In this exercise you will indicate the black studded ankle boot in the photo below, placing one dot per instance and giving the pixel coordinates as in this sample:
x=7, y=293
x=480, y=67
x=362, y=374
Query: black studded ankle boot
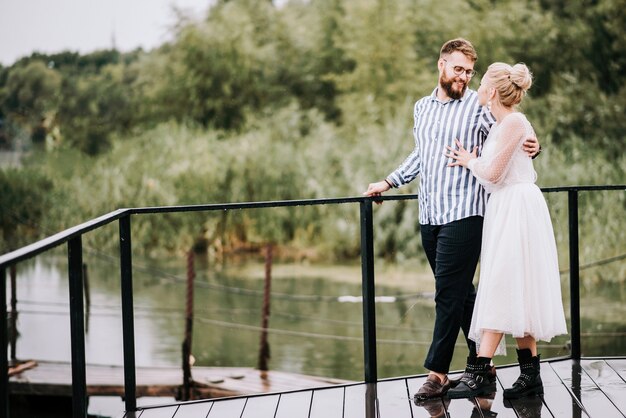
x=478, y=379
x=529, y=381
x=471, y=359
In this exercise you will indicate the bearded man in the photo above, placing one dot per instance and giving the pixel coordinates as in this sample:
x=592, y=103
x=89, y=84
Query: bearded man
x=451, y=203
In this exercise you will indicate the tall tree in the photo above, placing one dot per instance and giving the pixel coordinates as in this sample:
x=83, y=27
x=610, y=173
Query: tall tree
x=31, y=95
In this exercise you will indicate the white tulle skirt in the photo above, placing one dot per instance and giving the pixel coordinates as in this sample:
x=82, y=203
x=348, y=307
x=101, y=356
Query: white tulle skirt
x=519, y=292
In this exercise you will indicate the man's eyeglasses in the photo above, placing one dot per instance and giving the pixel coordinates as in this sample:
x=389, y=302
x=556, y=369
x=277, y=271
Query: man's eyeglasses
x=458, y=70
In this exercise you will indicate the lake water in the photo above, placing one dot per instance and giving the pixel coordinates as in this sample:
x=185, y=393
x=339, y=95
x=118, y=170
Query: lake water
x=315, y=318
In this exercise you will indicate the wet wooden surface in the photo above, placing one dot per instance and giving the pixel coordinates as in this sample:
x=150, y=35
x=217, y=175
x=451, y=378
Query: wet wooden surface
x=55, y=378
x=591, y=388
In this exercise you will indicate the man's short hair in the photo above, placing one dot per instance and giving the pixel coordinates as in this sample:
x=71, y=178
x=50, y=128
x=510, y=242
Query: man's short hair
x=459, y=44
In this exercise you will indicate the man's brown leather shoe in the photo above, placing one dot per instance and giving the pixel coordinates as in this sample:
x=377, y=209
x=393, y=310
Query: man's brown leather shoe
x=432, y=388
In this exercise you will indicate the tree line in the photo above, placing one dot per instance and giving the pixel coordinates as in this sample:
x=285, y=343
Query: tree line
x=249, y=56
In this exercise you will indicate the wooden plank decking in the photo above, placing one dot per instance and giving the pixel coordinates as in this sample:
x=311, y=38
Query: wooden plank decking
x=589, y=388
x=55, y=379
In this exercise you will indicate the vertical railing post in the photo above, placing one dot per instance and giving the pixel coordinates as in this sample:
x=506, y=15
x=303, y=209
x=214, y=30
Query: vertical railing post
x=128, y=327
x=187, y=341
x=13, y=334
x=368, y=290
x=4, y=363
x=572, y=204
x=77, y=327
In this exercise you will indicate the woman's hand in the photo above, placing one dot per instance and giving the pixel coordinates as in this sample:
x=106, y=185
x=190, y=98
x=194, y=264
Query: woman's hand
x=461, y=156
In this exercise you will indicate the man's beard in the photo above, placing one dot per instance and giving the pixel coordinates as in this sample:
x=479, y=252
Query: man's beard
x=446, y=85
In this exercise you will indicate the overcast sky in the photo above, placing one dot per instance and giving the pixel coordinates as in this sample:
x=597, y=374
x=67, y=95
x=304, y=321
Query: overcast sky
x=51, y=26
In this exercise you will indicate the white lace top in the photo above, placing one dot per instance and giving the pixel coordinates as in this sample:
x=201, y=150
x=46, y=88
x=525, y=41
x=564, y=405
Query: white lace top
x=503, y=161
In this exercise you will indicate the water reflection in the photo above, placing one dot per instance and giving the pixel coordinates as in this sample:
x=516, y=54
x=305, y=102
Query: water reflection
x=439, y=407
x=436, y=408
x=371, y=401
x=482, y=408
x=529, y=407
x=319, y=337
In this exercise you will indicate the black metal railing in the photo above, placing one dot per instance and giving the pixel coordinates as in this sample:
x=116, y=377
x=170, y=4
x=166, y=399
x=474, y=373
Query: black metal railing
x=73, y=238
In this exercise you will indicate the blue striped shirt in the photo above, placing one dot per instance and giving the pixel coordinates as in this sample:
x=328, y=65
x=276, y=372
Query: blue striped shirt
x=446, y=194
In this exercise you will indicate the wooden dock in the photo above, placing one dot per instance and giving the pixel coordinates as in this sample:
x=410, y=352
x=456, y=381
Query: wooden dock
x=55, y=379
x=591, y=388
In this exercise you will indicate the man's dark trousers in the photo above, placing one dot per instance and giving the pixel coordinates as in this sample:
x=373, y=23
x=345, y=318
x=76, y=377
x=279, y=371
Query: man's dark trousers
x=453, y=251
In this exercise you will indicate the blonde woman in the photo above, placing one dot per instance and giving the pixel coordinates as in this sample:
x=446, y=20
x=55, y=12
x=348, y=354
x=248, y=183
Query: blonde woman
x=519, y=291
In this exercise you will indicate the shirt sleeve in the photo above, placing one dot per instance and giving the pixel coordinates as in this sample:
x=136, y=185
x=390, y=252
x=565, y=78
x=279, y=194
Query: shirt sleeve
x=411, y=166
x=407, y=171
x=487, y=120
x=493, y=169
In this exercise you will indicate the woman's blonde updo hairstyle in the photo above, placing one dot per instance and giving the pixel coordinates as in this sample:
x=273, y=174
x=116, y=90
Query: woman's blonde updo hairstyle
x=511, y=83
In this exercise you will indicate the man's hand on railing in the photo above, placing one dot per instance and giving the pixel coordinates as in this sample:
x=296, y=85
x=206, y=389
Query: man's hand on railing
x=377, y=189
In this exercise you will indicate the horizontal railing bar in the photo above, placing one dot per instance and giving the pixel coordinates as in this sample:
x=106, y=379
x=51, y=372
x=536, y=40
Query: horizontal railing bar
x=63, y=236
x=59, y=238
x=325, y=201
x=267, y=204
x=582, y=188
